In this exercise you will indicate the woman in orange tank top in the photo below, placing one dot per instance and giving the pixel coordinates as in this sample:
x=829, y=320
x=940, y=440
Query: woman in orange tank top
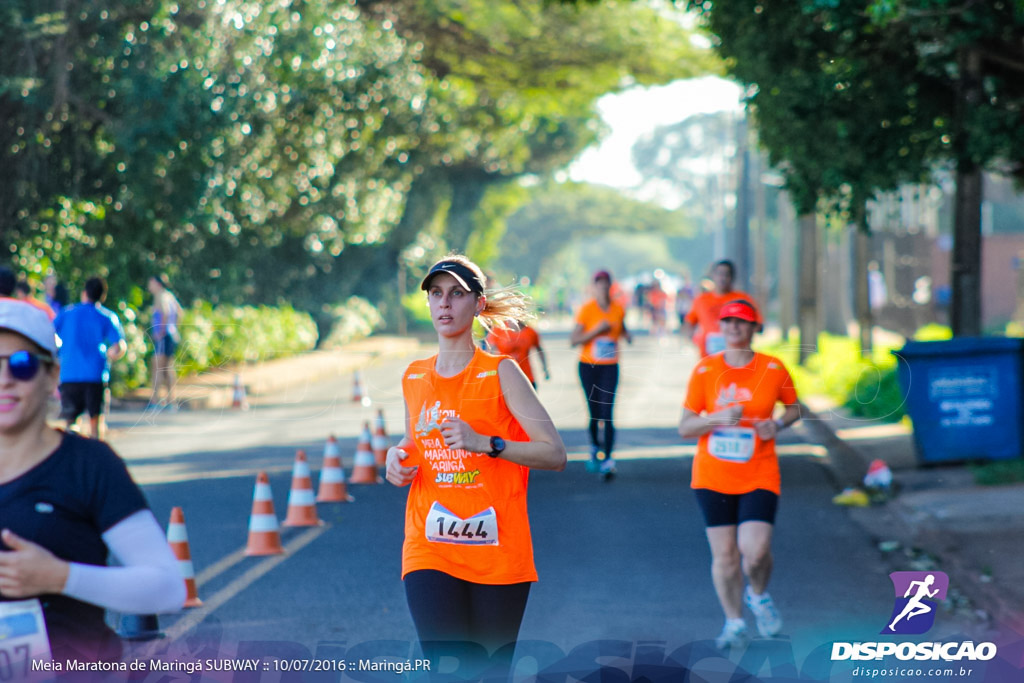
x=474, y=429
x=729, y=406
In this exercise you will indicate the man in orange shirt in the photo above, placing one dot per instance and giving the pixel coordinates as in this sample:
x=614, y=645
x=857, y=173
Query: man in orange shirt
x=517, y=341
x=600, y=323
x=729, y=405
x=702, y=320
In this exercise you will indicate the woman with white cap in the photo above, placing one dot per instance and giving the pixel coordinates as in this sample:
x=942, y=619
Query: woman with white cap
x=729, y=405
x=65, y=503
x=474, y=430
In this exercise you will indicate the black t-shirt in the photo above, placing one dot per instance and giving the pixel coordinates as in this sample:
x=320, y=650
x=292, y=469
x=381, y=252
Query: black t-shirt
x=65, y=504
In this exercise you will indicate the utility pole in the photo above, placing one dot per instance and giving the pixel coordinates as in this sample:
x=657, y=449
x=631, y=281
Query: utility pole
x=741, y=239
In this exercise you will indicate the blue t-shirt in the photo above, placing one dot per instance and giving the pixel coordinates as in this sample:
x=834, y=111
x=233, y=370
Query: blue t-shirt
x=65, y=504
x=86, y=332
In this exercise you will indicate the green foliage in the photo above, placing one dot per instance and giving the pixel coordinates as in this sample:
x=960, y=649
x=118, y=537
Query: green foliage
x=568, y=215
x=416, y=311
x=877, y=396
x=841, y=105
x=998, y=472
x=933, y=332
x=354, y=319
x=292, y=151
x=866, y=387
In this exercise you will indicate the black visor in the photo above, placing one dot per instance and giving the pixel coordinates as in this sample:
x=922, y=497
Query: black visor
x=464, y=275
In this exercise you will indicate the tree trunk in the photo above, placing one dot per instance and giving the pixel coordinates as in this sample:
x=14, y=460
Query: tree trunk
x=787, y=268
x=966, y=267
x=965, y=315
x=468, y=190
x=862, y=302
x=807, y=297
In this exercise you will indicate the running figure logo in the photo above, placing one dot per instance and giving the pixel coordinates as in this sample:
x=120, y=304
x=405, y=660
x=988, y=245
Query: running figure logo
x=430, y=419
x=917, y=595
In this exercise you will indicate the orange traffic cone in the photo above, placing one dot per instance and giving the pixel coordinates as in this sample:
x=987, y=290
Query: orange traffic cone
x=332, y=477
x=380, y=440
x=364, y=471
x=238, y=399
x=264, y=536
x=359, y=394
x=301, y=502
x=177, y=537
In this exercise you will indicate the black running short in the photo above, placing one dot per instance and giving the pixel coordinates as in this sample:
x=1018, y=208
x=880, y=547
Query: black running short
x=727, y=509
x=81, y=397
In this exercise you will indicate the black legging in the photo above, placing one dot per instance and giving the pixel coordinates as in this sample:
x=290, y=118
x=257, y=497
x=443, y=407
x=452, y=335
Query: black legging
x=452, y=616
x=599, y=384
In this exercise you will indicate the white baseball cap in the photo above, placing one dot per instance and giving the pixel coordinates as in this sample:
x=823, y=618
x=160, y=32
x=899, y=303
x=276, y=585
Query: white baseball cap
x=28, y=321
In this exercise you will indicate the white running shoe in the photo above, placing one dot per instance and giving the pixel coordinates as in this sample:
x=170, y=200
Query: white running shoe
x=769, y=623
x=734, y=634
x=607, y=468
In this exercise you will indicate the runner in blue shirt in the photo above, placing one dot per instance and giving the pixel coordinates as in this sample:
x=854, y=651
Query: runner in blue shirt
x=91, y=337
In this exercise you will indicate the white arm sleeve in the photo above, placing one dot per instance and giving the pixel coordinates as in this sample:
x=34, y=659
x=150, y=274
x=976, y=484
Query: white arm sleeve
x=150, y=581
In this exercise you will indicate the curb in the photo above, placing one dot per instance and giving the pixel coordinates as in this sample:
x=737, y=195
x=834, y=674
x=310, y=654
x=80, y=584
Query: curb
x=846, y=465
x=895, y=520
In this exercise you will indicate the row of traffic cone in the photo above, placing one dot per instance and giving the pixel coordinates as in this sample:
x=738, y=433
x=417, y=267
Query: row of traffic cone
x=264, y=534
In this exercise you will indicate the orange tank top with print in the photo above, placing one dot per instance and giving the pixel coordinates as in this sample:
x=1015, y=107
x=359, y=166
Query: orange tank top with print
x=466, y=513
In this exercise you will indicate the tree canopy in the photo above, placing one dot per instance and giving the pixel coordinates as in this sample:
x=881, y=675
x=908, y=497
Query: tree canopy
x=296, y=150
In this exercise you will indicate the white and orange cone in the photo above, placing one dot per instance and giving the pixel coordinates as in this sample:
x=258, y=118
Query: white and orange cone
x=380, y=441
x=177, y=538
x=238, y=398
x=359, y=394
x=332, y=476
x=364, y=471
x=301, y=501
x=264, y=535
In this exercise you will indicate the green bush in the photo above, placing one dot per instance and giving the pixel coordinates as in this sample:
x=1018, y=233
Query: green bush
x=211, y=337
x=933, y=332
x=867, y=387
x=417, y=313
x=354, y=319
x=877, y=396
x=998, y=472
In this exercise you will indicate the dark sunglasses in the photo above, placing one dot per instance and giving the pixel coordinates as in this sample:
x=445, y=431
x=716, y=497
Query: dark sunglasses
x=24, y=365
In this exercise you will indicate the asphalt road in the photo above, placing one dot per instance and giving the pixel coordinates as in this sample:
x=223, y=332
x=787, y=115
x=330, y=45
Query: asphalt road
x=624, y=563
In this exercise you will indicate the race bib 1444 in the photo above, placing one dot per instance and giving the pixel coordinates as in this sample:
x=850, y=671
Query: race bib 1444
x=444, y=526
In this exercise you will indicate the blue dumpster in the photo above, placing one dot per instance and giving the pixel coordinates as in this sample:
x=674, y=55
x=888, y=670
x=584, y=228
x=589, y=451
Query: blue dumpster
x=964, y=397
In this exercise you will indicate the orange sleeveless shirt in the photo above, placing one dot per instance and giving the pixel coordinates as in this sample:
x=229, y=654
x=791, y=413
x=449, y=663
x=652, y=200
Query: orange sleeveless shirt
x=466, y=513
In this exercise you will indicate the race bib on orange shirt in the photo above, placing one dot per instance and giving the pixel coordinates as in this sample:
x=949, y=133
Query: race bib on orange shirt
x=604, y=348
x=714, y=342
x=444, y=526
x=735, y=444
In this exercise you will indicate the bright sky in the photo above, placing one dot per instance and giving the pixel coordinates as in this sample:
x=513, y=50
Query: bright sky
x=633, y=113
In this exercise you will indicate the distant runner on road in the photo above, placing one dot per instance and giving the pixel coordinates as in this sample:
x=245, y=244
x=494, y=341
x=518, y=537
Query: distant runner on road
x=729, y=405
x=474, y=428
x=517, y=341
x=600, y=324
x=702, y=319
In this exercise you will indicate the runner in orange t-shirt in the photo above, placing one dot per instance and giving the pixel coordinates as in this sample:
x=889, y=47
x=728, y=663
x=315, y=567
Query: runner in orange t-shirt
x=600, y=323
x=729, y=405
x=702, y=319
x=474, y=429
x=517, y=341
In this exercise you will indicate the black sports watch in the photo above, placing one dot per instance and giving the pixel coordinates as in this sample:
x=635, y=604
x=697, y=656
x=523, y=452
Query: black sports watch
x=497, y=446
